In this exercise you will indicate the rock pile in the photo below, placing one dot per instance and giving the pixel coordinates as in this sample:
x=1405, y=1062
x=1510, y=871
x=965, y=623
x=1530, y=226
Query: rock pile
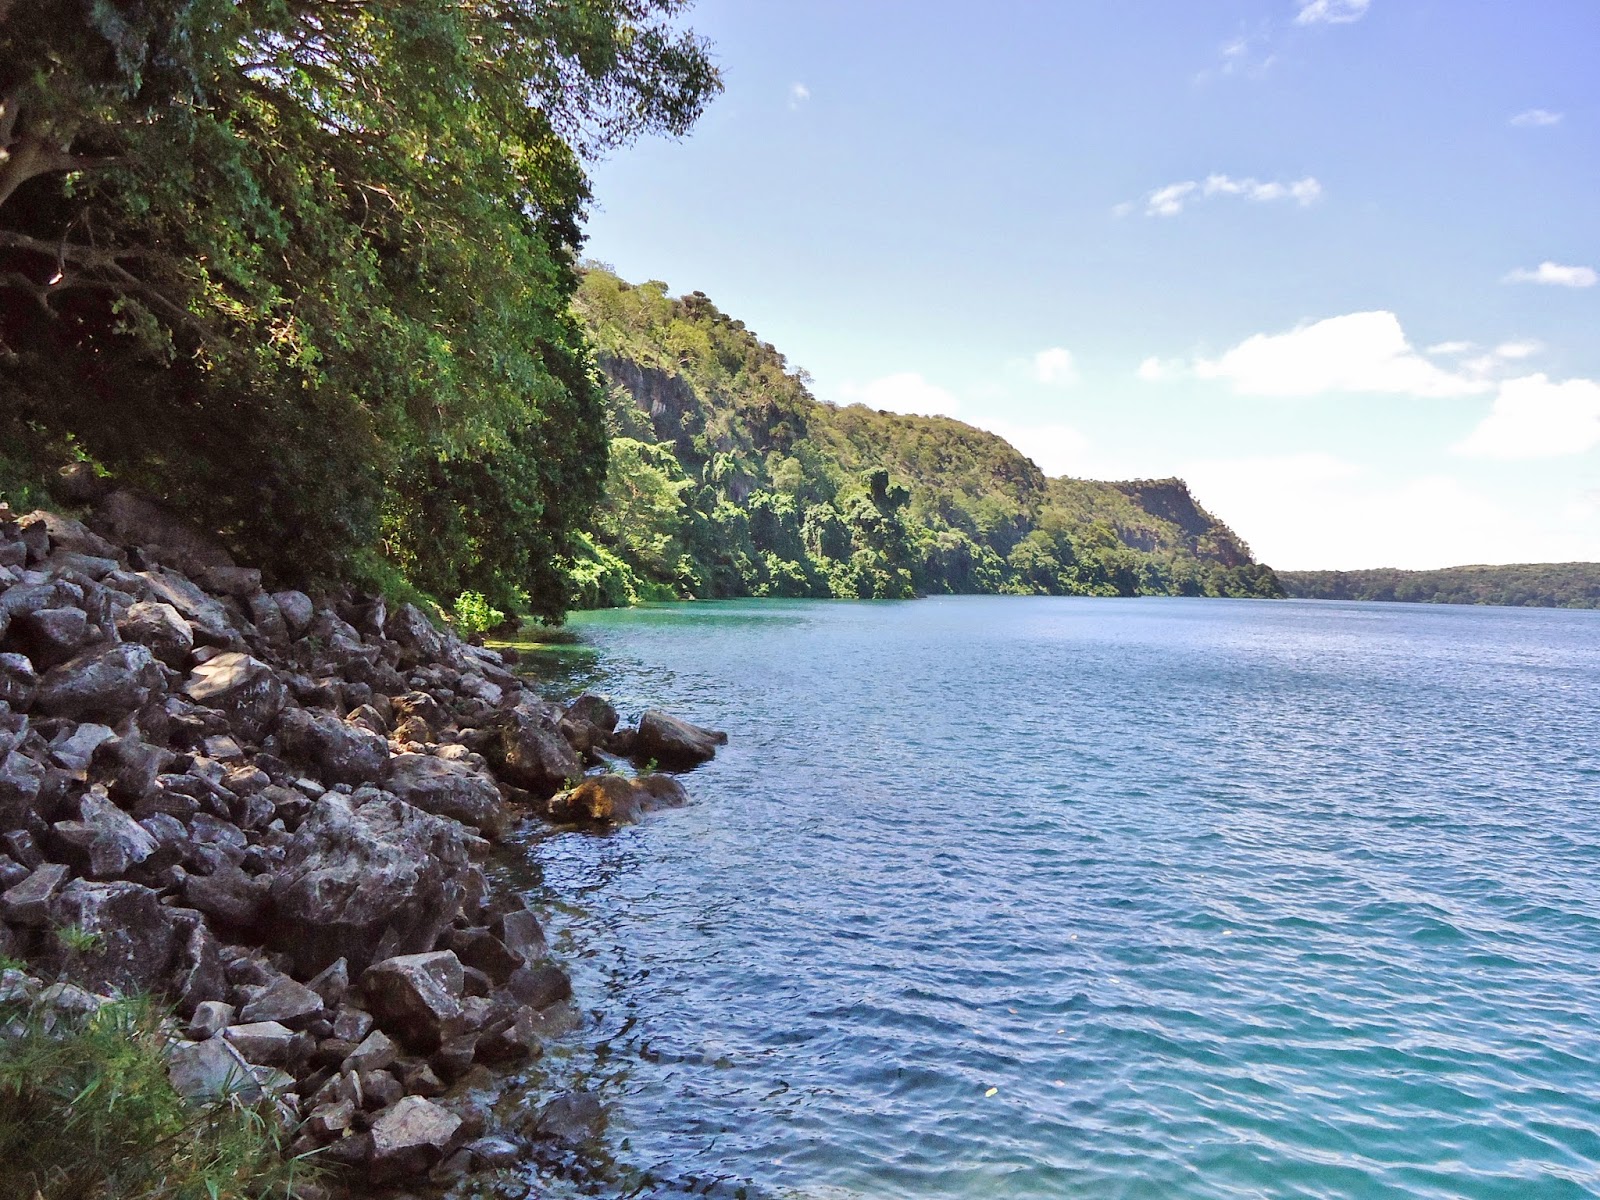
x=273, y=811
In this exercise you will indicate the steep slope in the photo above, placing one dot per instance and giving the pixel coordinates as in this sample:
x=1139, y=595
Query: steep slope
x=728, y=478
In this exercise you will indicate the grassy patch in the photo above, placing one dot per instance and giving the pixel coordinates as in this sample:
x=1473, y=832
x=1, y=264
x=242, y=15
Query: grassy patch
x=87, y=1113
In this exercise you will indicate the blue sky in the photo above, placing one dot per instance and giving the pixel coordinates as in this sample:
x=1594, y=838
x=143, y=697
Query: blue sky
x=1332, y=261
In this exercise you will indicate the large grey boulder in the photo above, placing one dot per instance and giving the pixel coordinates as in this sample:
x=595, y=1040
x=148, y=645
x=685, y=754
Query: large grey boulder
x=673, y=742
x=130, y=938
x=410, y=1137
x=107, y=684
x=245, y=688
x=416, y=997
x=355, y=878
x=449, y=789
x=207, y=615
x=161, y=627
x=337, y=751
x=530, y=753
x=212, y=1070
x=296, y=609
x=50, y=636
x=418, y=638
x=106, y=843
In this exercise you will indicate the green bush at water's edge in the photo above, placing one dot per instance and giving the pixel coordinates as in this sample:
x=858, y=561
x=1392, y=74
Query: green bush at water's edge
x=727, y=478
x=87, y=1113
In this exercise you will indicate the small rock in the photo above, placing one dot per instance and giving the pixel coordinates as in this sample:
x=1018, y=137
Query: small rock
x=107, y=684
x=210, y=1018
x=285, y=1001
x=106, y=843
x=332, y=983
x=160, y=627
x=28, y=903
x=417, y=997
x=265, y=1042
x=352, y=1024
x=572, y=1118
x=297, y=610
x=374, y=1053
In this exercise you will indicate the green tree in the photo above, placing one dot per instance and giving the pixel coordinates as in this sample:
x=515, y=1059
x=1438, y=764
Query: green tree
x=304, y=266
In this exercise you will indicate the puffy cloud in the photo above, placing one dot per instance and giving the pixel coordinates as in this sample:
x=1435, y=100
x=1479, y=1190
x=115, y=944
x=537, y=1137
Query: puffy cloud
x=1331, y=12
x=1171, y=200
x=1158, y=370
x=1537, y=117
x=1535, y=417
x=1056, y=448
x=1555, y=275
x=1316, y=511
x=905, y=392
x=1055, y=367
x=799, y=93
x=1358, y=352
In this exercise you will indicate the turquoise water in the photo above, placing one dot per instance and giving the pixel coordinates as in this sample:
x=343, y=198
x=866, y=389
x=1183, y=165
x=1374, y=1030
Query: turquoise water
x=1220, y=899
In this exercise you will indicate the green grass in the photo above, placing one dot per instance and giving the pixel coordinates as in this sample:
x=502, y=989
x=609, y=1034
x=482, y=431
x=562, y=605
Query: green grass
x=87, y=1113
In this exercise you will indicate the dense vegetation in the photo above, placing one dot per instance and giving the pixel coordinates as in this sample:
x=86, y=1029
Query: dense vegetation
x=87, y=1110
x=728, y=479
x=1541, y=585
x=303, y=267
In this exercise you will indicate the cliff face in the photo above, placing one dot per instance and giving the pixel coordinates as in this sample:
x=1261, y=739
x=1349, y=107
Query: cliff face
x=730, y=478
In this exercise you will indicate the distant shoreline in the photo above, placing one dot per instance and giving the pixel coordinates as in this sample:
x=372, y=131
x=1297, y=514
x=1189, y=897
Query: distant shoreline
x=1513, y=585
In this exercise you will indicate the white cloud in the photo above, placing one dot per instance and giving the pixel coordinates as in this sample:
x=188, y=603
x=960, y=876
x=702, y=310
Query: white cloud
x=1331, y=12
x=905, y=392
x=1057, y=449
x=1171, y=200
x=1537, y=117
x=1534, y=417
x=1309, y=511
x=1055, y=367
x=1358, y=352
x=1157, y=370
x=1516, y=350
x=1450, y=349
x=799, y=93
x=1555, y=275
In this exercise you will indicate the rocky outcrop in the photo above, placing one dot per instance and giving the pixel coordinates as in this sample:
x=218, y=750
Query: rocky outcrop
x=272, y=809
x=673, y=742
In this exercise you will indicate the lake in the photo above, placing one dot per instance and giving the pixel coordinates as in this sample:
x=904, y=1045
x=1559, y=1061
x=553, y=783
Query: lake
x=1036, y=897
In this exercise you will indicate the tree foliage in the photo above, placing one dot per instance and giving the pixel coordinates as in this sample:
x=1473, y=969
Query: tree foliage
x=304, y=266
x=1532, y=585
x=730, y=479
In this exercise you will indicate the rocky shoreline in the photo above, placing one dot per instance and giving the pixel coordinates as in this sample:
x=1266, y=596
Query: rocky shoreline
x=273, y=812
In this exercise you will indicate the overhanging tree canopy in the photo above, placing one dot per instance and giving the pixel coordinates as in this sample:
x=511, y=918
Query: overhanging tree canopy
x=304, y=265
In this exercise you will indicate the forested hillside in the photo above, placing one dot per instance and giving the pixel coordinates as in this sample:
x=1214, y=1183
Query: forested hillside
x=727, y=478
x=1537, y=585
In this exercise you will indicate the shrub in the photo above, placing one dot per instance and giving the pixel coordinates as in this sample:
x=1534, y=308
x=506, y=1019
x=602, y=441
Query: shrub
x=87, y=1111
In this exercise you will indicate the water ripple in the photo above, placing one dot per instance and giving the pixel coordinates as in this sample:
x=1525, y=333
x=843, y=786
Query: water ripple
x=1220, y=899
